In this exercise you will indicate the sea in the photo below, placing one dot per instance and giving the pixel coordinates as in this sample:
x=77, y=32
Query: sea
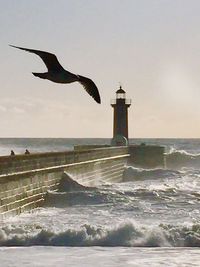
x=150, y=219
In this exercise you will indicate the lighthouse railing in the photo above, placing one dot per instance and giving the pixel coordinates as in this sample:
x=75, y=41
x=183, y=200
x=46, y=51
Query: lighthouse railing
x=114, y=101
x=128, y=101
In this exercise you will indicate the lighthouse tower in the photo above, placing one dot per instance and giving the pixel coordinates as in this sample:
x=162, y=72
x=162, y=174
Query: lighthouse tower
x=120, y=105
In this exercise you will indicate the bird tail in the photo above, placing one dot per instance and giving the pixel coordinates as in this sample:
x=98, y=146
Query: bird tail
x=40, y=75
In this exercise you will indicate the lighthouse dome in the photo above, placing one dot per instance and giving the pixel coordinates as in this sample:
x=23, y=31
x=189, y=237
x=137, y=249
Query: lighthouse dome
x=120, y=93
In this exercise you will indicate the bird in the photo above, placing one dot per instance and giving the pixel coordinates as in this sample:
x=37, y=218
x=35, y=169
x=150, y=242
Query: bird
x=56, y=73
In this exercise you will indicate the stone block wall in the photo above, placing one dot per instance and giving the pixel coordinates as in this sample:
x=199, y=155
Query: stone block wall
x=25, y=179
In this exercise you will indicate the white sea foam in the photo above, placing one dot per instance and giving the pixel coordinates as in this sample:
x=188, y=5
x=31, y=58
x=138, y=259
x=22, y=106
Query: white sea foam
x=129, y=234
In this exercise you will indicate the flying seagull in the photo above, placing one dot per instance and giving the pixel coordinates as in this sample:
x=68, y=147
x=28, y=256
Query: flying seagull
x=56, y=73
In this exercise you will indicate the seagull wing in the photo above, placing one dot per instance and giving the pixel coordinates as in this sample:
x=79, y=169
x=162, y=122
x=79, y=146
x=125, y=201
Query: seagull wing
x=50, y=60
x=90, y=87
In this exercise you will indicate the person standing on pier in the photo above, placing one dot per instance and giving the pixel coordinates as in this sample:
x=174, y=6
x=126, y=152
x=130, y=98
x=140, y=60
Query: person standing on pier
x=27, y=152
x=12, y=153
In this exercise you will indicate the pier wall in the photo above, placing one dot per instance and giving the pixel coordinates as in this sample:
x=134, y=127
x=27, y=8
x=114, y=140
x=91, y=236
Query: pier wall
x=25, y=179
x=147, y=156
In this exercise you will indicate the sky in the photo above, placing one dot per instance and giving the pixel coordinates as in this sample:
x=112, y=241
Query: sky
x=150, y=47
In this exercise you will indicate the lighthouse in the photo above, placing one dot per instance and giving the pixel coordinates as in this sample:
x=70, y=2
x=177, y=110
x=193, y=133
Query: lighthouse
x=120, y=123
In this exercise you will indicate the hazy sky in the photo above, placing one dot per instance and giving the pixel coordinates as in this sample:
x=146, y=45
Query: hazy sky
x=151, y=46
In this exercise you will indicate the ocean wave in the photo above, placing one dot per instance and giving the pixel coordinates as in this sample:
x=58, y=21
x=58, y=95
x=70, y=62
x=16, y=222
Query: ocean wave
x=128, y=235
x=180, y=158
x=133, y=173
x=71, y=193
x=118, y=198
x=96, y=197
x=156, y=185
x=68, y=184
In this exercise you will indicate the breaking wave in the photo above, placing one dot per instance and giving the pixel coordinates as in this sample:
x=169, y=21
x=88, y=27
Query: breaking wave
x=71, y=193
x=163, y=185
x=128, y=235
x=176, y=159
x=133, y=173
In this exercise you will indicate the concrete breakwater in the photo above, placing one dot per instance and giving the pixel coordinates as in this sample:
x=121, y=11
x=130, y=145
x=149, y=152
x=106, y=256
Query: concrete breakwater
x=25, y=179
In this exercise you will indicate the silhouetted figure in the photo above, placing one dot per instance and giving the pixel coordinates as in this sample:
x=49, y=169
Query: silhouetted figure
x=27, y=152
x=56, y=73
x=12, y=153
